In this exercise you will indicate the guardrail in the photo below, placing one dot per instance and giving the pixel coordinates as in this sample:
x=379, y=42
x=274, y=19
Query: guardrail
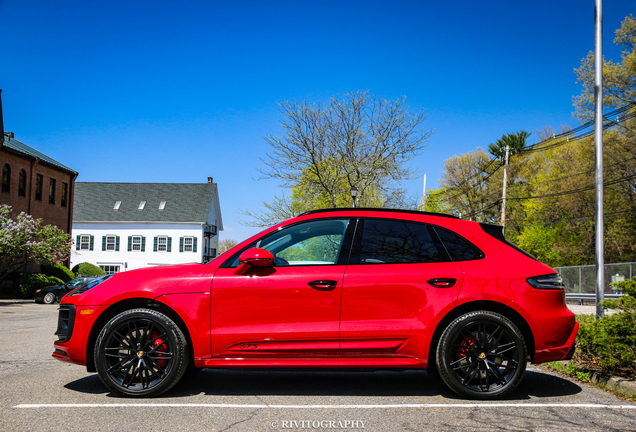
x=589, y=296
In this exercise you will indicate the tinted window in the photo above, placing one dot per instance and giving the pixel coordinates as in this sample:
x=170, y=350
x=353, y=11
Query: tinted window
x=458, y=247
x=388, y=241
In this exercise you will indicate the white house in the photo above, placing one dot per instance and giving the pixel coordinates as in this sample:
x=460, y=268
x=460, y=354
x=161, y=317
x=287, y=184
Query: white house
x=125, y=226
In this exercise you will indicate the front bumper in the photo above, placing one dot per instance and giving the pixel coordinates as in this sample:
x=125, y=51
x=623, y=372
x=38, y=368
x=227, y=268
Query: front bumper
x=73, y=331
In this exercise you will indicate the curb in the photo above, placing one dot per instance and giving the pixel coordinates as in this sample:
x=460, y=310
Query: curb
x=622, y=386
x=15, y=301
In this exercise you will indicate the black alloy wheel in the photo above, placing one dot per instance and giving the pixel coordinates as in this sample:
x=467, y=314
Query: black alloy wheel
x=141, y=353
x=482, y=355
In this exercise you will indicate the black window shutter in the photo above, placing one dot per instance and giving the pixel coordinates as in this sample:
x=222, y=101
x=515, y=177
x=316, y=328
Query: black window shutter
x=154, y=248
x=129, y=243
x=90, y=247
x=103, y=243
x=77, y=243
x=194, y=244
x=117, y=244
x=143, y=244
x=169, y=244
x=180, y=244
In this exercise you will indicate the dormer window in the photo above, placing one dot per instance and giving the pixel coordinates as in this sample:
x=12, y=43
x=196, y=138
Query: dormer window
x=117, y=205
x=141, y=205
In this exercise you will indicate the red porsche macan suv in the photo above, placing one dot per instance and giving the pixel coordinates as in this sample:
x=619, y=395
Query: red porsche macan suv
x=341, y=288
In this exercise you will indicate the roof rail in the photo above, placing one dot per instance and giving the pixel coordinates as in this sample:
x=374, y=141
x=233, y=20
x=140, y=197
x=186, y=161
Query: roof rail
x=379, y=209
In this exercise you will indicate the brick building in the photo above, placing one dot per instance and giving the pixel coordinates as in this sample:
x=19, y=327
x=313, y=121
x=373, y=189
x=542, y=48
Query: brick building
x=36, y=184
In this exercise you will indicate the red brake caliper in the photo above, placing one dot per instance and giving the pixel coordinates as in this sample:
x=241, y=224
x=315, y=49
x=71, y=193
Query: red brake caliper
x=158, y=342
x=468, y=341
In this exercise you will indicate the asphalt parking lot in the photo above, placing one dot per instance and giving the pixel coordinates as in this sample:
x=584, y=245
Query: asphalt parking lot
x=38, y=393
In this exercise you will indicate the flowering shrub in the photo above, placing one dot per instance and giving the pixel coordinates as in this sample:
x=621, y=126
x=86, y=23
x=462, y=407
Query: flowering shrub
x=25, y=239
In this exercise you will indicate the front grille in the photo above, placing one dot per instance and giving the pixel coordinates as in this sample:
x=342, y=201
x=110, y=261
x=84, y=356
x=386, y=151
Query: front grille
x=65, y=320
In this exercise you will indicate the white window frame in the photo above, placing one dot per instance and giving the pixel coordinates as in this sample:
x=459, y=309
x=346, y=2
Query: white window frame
x=111, y=247
x=85, y=242
x=164, y=245
x=135, y=244
x=110, y=268
x=188, y=247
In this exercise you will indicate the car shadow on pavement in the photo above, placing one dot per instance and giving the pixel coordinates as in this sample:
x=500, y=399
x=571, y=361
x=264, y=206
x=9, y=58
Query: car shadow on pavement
x=222, y=382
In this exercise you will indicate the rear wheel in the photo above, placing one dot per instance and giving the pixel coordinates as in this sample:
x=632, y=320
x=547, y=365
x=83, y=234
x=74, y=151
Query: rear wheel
x=482, y=355
x=141, y=353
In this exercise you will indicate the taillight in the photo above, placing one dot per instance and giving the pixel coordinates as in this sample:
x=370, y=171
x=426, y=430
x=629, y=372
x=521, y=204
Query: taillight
x=551, y=281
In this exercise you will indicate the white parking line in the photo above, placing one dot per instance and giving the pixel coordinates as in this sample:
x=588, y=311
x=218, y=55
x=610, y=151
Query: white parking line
x=252, y=406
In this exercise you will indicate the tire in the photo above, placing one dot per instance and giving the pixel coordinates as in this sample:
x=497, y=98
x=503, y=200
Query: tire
x=141, y=353
x=482, y=355
x=49, y=298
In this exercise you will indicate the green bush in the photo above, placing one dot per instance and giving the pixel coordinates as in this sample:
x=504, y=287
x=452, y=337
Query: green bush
x=28, y=283
x=610, y=342
x=58, y=270
x=88, y=269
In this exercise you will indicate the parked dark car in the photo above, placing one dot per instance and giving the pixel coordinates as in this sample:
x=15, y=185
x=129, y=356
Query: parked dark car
x=54, y=294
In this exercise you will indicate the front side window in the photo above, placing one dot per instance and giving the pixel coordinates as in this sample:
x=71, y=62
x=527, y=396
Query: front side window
x=310, y=243
x=385, y=241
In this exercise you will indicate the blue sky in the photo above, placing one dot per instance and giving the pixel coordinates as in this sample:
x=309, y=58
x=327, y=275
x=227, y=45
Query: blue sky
x=165, y=91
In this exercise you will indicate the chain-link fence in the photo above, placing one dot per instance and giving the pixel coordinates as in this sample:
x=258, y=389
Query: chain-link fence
x=582, y=279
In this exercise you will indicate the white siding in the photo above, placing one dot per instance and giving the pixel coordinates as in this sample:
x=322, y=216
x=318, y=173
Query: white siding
x=130, y=260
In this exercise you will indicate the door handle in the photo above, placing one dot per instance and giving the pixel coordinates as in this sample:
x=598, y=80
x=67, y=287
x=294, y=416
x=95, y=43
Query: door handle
x=323, y=285
x=442, y=282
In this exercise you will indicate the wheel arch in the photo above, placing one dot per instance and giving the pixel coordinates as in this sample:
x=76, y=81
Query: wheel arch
x=491, y=306
x=124, y=305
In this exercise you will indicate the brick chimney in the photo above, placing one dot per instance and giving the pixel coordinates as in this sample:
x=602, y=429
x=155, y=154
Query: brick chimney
x=209, y=179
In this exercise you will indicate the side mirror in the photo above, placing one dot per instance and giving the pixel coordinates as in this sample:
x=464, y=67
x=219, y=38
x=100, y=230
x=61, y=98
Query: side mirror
x=254, y=257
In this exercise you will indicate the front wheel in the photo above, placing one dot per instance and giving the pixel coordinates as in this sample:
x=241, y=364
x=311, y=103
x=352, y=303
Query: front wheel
x=482, y=355
x=141, y=353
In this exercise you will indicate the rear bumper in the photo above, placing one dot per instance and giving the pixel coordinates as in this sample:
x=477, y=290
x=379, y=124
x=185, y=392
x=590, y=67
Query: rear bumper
x=563, y=352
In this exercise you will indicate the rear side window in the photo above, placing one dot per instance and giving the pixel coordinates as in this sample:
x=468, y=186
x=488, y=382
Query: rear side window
x=385, y=241
x=457, y=246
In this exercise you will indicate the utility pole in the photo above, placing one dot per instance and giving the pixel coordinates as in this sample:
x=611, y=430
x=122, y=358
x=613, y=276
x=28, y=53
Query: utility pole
x=598, y=141
x=505, y=187
x=423, y=202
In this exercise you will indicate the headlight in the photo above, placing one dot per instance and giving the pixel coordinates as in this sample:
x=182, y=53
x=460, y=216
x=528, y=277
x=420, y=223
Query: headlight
x=551, y=281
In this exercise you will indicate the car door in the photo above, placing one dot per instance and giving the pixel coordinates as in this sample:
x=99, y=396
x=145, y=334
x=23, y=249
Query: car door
x=398, y=284
x=291, y=309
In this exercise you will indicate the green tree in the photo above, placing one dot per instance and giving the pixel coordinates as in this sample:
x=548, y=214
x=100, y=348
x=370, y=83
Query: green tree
x=514, y=141
x=357, y=140
x=25, y=239
x=226, y=244
x=619, y=79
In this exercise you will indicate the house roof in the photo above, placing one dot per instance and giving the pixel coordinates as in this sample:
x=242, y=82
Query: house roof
x=184, y=202
x=18, y=147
